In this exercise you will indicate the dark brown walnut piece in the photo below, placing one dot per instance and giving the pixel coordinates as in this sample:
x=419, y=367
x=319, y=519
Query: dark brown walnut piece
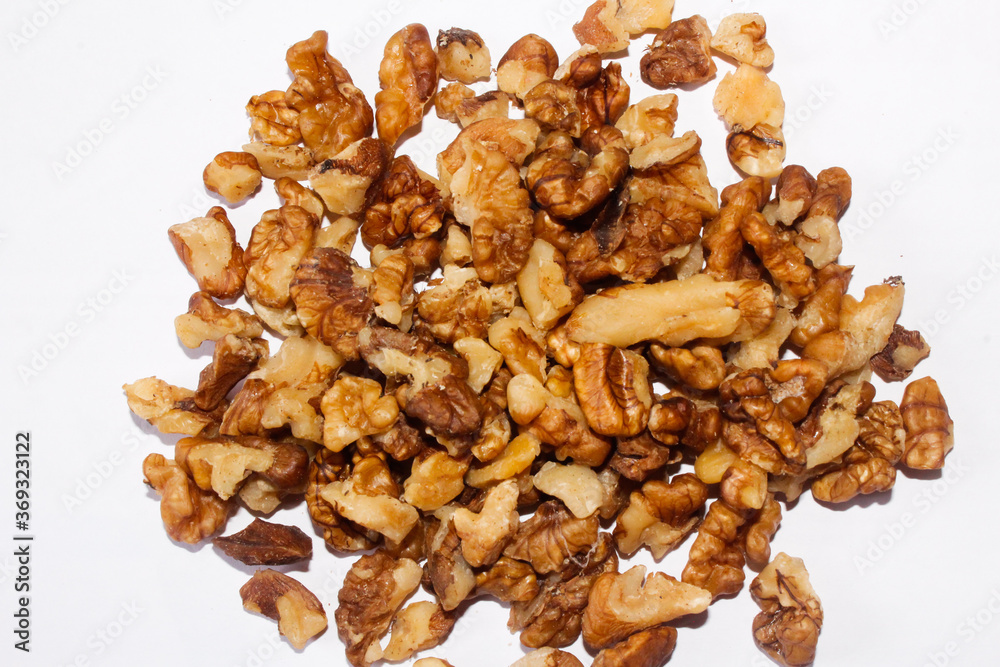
x=722, y=239
x=408, y=76
x=232, y=359
x=647, y=648
x=679, y=54
x=638, y=457
x=784, y=261
x=209, y=250
x=189, y=513
x=901, y=354
x=332, y=112
x=793, y=195
x=820, y=313
x=333, y=299
x=554, y=617
x=446, y=571
x=745, y=397
x=930, y=432
x=263, y=543
x=373, y=592
x=605, y=100
x=553, y=538
x=299, y=613
x=788, y=626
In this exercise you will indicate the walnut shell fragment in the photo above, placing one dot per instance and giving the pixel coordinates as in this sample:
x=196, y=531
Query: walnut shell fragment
x=299, y=613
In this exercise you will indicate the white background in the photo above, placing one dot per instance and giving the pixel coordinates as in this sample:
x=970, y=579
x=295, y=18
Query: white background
x=901, y=93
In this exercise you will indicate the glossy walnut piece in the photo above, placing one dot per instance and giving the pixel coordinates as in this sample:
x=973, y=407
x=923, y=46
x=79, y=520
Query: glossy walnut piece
x=209, y=250
x=462, y=56
x=189, y=513
x=333, y=113
x=679, y=54
x=930, y=432
x=528, y=62
x=408, y=76
x=263, y=543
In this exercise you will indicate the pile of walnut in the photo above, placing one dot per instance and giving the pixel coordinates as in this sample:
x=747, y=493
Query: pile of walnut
x=497, y=359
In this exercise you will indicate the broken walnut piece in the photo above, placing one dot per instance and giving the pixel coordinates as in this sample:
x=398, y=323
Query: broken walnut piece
x=660, y=515
x=408, y=77
x=757, y=533
x=900, y=355
x=220, y=464
x=553, y=538
x=354, y=407
x=716, y=560
x=869, y=465
x=601, y=28
x=276, y=162
x=701, y=367
x=449, y=575
x=647, y=648
x=548, y=657
x=345, y=180
x=333, y=298
x=680, y=54
x=417, y=627
x=209, y=250
x=333, y=112
x=272, y=120
x=578, y=487
x=484, y=534
x=759, y=151
x=299, y=613
x=170, y=409
x=232, y=360
x=278, y=243
x=622, y=604
x=743, y=37
x=788, y=626
x=189, y=513
x=207, y=320
x=462, y=56
x=747, y=97
x=373, y=592
x=613, y=389
x=233, y=176
x=528, y=62
x=263, y=543
x=930, y=432
x=553, y=617
x=508, y=580
x=436, y=478
x=407, y=203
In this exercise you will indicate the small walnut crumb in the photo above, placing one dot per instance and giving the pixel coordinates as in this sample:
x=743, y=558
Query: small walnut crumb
x=299, y=613
x=234, y=176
